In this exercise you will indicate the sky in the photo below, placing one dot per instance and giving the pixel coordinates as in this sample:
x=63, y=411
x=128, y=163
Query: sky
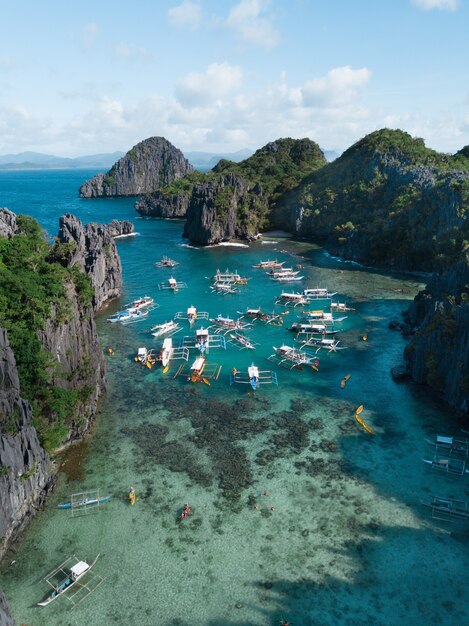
x=97, y=76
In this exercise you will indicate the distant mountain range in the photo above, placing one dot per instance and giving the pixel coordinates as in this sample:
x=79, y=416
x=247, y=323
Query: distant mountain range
x=37, y=160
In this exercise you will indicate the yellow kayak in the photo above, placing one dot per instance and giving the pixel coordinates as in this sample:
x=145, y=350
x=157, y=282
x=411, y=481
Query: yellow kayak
x=359, y=410
x=368, y=429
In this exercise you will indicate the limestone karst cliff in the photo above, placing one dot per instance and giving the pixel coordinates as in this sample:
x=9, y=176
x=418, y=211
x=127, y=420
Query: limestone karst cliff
x=148, y=166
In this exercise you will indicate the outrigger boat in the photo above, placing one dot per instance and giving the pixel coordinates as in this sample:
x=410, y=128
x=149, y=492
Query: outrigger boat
x=229, y=278
x=286, y=274
x=224, y=288
x=128, y=316
x=191, y=315
x=172, y=284
x=254, y=377
x=71, y=577
x=269, y=265
x=340, y=307
x=446, y=463
x=203, y=341
x=168, y=353
x=290, y=358
x=321, y=342
x=293, y=299
x=140, y=303
x=200, y=371
x=83, y=503
x=257, y=314
x=242, y=342
x=446, y=508
x=318, y=293
x=322, y=316
x=166, y=328
x=225, y=324
x=455, y=445
x=147, y=357
x=166, y=262
x=309, y=328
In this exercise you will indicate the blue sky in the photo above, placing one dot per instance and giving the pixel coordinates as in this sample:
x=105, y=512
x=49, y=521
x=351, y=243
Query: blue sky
x=97, y=76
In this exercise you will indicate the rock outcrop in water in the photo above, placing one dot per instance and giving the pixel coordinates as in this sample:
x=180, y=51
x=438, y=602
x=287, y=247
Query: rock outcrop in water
x=157, y=204
x=25, y=468
x=438, y=353
x=94, y=251
x=148, y=166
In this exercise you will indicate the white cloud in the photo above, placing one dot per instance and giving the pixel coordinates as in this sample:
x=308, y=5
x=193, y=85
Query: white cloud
x=208, y=88
x=338, y=86
x=130, y=52
x=185, y=15
x=444, y=5
x=249, y=23
x=88, y=35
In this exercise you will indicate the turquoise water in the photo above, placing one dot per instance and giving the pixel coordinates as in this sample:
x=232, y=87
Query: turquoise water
x=340, y=536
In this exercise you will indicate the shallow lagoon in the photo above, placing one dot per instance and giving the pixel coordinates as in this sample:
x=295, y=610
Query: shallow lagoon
x=348, y=541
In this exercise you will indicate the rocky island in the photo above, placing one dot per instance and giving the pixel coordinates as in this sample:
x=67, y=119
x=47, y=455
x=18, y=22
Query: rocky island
x=148, y=166
x=52, y=368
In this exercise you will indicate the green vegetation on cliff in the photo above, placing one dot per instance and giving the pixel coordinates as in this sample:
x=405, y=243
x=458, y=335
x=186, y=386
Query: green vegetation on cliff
x=33, y=283
x=388, y=200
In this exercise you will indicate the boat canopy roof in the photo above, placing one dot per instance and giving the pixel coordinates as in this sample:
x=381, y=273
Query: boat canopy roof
x=167, y=343
x=201, y=332
x=443, y=439
x=80, y=568
x=142, y=351
x=198, y=363
x=191, y=310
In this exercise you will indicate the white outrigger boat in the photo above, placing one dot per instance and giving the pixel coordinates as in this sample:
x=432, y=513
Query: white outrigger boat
x=172, y=284
x=320, y=343
x=340, y=307
x=318, y=293
x=229, y=278
x=289, y=357
x=269, y=265
x=128, y=316
x=242, y=342
x=169, y=353
x=446, y=463
x=455, y=445
x=226, y=324
x=140, y=303
x=224, y=288
x=258, y=314
x=254, y=377
x=191, y=315
x=200, y=371
x=203, y=341
x=447, y=508
x=69, y=577
x=285, y=275
x=322, y=316
x=166, y=262
x=311, y=328
x=166, y=328
x=147, y=357
x=292, y=299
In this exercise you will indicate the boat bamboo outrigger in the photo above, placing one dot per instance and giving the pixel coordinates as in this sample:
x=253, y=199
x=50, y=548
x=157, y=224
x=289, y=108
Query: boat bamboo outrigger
x=192, y=315
x=166, y=328
x=320, y=342
x=229, y=278
x=242, y=342
x=128, y=316
x=269, y=265
x=318, y=293
x=258, y=314
x=200, y=371
x=290, y=358
x=254, y=377
x=227, y=324
x=66, y=577
x=172, y=284
x=311, y=328
x=457, y=446
x=447, y=509
x=340, y=307
x=166, y=262
x=140, y=303
x=203, y=341
x=291, y=299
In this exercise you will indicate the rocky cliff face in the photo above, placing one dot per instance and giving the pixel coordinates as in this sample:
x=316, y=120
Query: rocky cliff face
x=157, y=204
x=390, y=201
x=215, y=208
x=8, y=226
x=95, y=252
x=438, y=353
x=5, y=616
x=25, y=468
x=149, y=165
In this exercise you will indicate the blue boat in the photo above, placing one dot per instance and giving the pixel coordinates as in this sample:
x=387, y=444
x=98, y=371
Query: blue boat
x=85, y=502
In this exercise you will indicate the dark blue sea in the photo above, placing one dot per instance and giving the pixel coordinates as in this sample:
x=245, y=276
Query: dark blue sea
x=298, y=513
